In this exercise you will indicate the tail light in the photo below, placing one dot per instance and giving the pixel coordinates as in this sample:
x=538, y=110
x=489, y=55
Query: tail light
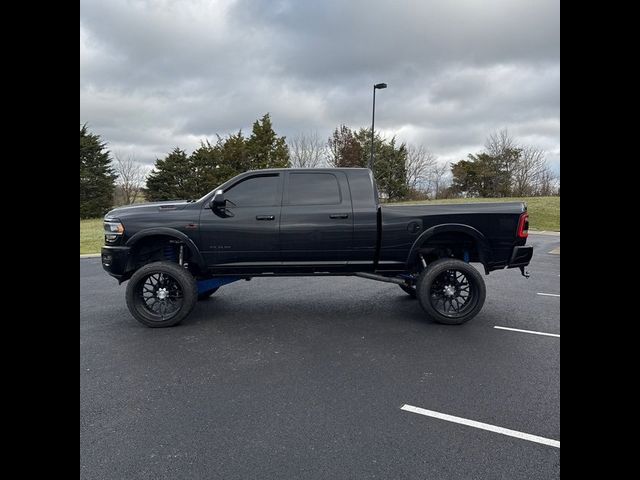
x=523, y=225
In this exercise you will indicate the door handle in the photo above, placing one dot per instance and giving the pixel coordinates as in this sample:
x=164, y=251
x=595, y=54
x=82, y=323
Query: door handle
x=265, y=217
x=339, y=215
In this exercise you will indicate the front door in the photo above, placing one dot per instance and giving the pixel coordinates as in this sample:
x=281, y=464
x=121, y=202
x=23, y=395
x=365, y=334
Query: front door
x=247, y=230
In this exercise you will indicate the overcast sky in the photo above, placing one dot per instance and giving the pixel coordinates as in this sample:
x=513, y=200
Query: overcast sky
x=159, y=74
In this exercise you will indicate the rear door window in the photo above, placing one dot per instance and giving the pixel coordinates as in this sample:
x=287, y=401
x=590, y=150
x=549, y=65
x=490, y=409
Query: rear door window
x=314, y=189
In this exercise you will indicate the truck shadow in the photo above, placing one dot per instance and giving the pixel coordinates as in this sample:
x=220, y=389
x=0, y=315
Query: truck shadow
x=370, y=310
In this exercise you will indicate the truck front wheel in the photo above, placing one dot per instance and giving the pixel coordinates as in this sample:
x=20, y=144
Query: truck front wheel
x=161, y=294
x=451, y=291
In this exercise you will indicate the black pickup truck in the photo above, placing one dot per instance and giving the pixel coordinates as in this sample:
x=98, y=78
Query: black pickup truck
x=309, y=222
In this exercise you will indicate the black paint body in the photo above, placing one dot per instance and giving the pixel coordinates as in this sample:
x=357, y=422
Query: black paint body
x=290, y=232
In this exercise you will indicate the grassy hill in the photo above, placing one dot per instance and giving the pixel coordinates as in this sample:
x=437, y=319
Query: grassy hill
x=544, y=212
x=91, y=235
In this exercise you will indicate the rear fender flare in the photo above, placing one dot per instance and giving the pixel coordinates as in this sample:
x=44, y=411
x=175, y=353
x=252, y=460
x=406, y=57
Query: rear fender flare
x=484, y=250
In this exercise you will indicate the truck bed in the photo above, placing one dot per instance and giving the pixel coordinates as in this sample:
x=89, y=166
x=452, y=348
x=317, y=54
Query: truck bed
x=403, y=224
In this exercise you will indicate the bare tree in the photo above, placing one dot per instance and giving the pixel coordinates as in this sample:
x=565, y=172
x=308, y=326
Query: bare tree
x=526, y=167
x=528, y=171
x=504, y=148
x=546, y=182
x=499, y=142
x=439, y=178
x=131, y=177
x=419, y=166
x=306, y=150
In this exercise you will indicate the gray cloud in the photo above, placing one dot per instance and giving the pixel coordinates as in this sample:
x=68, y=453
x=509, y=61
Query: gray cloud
x=159, y=74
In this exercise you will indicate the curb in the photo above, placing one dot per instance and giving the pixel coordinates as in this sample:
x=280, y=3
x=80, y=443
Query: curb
x=544, y=232
x=89, y=255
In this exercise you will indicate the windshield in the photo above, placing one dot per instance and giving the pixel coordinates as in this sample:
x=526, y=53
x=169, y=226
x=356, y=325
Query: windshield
x=226, y=182
x=207, y=194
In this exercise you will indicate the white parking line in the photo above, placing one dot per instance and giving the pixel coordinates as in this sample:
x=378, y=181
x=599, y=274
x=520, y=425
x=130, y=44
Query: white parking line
x=528, y=331
x=482, y=426
x=549, y=294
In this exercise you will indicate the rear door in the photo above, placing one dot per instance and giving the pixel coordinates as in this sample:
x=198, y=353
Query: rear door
x=316, y=226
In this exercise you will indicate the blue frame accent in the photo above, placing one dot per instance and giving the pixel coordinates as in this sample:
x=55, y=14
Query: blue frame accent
x=170, y=253
x=211, y=283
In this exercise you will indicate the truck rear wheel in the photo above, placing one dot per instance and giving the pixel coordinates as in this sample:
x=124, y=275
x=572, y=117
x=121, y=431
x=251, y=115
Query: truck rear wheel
x=451, y=291
x=161, y=294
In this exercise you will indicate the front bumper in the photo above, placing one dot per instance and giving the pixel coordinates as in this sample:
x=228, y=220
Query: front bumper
x=520, y=257
x=115, y=261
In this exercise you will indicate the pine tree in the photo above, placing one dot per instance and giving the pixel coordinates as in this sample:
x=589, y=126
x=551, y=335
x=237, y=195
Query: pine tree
x=389, y=163
x=97, y=178
x=182, y=176
x=391, y=170
x=171, y=178
x=482, y=175
x=207, y=170
x=234, y=153
x=264, y=148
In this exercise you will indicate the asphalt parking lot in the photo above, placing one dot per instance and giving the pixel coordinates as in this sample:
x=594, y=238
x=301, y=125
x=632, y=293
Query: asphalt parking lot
x=307, y=377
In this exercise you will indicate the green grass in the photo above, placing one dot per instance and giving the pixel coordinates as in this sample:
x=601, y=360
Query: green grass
x=544, y=212
x=92, y=232
x=91, y=235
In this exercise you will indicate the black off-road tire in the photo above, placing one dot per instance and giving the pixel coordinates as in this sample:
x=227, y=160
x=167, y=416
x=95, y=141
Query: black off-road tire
x=207, y=294
x=181, y=296
x=444, y=275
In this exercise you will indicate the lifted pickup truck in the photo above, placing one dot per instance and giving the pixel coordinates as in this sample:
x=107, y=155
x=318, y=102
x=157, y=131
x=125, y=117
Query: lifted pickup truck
x=309, y=222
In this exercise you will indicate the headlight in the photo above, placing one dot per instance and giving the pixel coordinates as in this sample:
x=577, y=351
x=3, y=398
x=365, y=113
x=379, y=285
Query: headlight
x=113, y=229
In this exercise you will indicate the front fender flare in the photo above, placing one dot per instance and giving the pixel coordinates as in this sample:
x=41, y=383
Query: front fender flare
x=484, y=250
x=169, y=232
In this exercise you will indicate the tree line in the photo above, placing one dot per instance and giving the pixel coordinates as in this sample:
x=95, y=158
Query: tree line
x=179, y=175
x=504, y=169
x=402, y=172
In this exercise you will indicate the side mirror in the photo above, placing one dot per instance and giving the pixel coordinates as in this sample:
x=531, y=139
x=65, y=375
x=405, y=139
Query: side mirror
x=218, y=200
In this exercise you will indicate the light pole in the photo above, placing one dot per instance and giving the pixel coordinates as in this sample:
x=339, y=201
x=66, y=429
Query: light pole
x=373, y=119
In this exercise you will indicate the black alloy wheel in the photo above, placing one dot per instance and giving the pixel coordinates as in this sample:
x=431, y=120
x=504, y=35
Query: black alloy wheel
x=451, y=291
x=161, y=294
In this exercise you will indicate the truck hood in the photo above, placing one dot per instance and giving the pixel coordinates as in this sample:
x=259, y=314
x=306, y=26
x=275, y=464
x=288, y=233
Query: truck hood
x=125, y=211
